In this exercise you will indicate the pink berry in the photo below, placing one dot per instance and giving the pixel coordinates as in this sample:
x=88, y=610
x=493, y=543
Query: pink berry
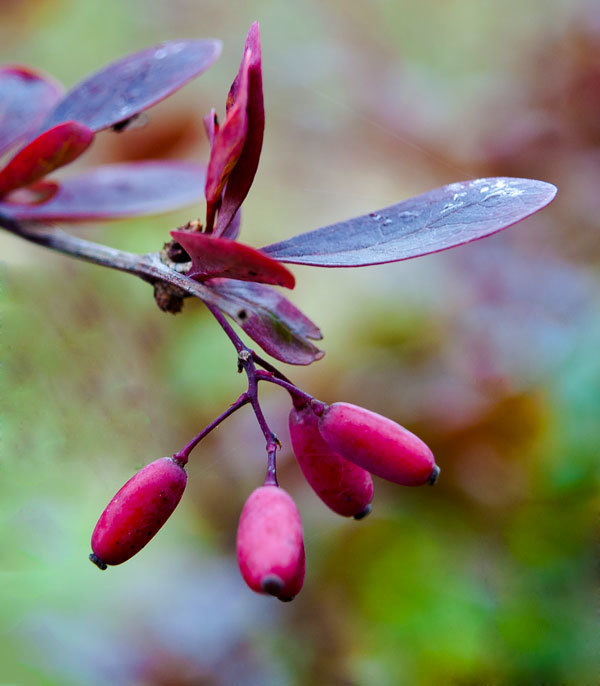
x=270, y=548
x=377, y=444
x=342, y=485
x=137, y=512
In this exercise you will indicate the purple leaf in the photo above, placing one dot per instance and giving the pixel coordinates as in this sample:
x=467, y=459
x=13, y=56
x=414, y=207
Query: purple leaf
x=233, y=228
x=241, y=177
x=25, y=99
x=117, y=190
x=49, y=151
x=270, y=320
x=134, y=83
x=434, y=221
x=212, y=257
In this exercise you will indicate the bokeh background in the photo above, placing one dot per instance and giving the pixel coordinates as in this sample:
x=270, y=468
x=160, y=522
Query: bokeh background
x=489, y=352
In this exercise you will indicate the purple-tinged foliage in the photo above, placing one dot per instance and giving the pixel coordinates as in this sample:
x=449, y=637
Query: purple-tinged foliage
x=49, y=151
x=112, y=95
x=26, y=96
x=270, y=319
x=437, y=220
x=134, y=83
x=116, y=190
x=215, y=257
x=337, y=446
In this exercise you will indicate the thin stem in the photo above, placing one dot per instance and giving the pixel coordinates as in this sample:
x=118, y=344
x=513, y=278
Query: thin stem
x=269, y=367
x=227, y=328
x=271, y=477
x=299, y=397
x=183, y=454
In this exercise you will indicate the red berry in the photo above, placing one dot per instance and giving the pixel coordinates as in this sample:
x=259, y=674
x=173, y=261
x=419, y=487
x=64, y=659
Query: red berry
x=270, y=548
x=377, y=444
x=137, y=512
x=342, y=485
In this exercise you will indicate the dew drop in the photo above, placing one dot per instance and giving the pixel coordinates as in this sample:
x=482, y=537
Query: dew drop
x=161, y=53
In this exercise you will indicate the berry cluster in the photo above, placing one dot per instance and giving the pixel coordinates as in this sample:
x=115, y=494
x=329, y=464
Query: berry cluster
x=338, y=448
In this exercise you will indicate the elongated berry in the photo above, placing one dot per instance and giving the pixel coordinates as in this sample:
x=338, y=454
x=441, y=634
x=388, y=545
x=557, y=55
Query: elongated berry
x=137, y=512
x=377, y=444
x=270, y=547
x=342, y=485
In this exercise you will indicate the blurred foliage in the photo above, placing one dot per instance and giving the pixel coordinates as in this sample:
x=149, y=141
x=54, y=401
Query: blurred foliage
x=489, y=352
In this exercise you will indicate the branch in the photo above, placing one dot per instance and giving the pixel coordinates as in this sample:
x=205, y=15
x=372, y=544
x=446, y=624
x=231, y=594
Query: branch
x=147, y=267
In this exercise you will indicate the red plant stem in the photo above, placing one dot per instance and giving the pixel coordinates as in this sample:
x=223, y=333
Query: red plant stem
x=227, y=328
x=246, y=362
x=299, y=397
x=271, y=477
x=182, y=456
x=269, y=367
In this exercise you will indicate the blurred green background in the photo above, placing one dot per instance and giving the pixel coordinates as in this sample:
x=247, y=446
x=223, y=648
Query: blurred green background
x=488, y=352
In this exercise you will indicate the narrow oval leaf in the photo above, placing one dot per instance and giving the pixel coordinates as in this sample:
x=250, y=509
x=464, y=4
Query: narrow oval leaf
x=134, y=83
x=434, y=221
x=118, y=190
x=228, y=144
x=243, y=173
x=212, y=257
x=49, y=151
x=25, y=98
x=270, y=319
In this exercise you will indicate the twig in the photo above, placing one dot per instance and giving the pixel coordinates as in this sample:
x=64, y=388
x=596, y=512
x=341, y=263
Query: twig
x=147, y=267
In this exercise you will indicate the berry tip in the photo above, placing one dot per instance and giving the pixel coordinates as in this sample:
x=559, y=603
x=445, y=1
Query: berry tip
x=433, y=477
x=363, y=513
x=272, y=584
x=98, y=562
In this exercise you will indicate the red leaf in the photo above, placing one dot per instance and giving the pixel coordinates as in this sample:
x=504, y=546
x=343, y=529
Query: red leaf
x=243, y=173
x=117, y=190
x=212, y=257
x=227, y=148
x=270, y=319
x=25, y=98
x=134, y=83
x=434, y=221
x=49, y=151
